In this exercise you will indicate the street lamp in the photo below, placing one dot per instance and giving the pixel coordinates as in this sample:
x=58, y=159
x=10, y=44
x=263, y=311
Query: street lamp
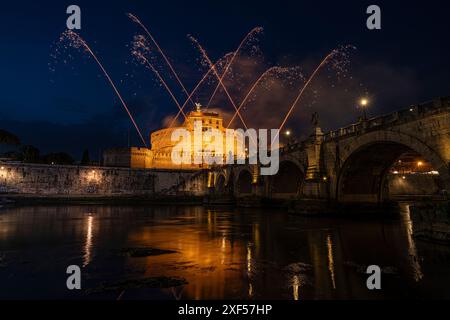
x=363, y=103
x=288, y=135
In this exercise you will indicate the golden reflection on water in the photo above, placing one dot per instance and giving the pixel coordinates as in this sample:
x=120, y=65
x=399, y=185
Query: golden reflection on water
x=296, y=287
x=212, y=263
x=331, y=261
x=412, y=250
x=87, y=257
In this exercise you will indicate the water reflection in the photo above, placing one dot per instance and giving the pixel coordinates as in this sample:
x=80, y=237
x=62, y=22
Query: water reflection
x=331, y=260
x=88, y=246
x=412, y=250
x=236, y=254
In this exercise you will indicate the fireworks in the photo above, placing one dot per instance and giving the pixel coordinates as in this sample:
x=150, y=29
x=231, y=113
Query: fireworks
x=250, y=36
x=138, y=21
x=205, y=55
x=234, y=71
x=335, y=59
x=75, y=40
x=138, y=51
x=277, y=72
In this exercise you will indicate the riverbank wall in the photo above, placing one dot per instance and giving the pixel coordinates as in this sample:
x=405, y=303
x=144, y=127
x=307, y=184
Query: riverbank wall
x=18, y=180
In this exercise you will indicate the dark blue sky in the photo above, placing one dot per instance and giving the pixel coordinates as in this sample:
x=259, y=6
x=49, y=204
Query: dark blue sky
x=74, y=108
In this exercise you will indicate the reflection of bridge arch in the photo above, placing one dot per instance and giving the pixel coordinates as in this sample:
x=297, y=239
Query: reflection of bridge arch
x=288, y=180
x=366, y=163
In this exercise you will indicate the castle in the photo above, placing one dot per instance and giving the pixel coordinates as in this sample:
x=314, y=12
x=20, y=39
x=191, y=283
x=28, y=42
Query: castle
x=160, y=154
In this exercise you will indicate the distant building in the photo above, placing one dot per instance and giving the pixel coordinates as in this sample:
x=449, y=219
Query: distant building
x=136, y=158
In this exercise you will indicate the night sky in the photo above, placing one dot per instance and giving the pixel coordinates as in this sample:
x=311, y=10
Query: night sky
x=73, y=107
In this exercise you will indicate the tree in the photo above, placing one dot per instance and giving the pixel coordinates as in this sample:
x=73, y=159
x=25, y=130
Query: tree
x=58, y=158
x=30, y=154
x=85, y=159
x=8, y=138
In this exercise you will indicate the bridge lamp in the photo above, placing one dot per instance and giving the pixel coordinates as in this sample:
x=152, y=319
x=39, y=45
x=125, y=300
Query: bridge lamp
x=419, y=164
x=364, y=103
x=288, y=133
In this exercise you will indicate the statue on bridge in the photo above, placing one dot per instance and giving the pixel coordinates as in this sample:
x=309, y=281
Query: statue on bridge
x=315, y=119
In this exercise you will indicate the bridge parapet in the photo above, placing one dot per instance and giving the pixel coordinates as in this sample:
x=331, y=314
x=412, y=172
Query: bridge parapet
x=399, y=117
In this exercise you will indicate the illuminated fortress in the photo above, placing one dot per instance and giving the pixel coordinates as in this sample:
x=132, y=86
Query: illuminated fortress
x=160, y=155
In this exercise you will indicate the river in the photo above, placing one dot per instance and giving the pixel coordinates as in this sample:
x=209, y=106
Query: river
x=220, y=253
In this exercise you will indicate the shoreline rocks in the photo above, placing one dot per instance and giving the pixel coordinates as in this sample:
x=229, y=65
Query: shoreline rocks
x=431, y=221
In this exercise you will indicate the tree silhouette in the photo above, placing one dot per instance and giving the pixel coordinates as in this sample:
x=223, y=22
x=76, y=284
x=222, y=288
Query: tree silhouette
x=30, y=154
x=8, y=138
x=85, y=159
x=58, y=158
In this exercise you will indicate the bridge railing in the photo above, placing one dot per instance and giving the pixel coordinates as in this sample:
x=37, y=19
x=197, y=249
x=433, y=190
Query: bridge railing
x=401, y=116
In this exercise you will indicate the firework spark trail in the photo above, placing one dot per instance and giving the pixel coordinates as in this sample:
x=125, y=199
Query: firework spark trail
x=266, y=73
x=77, y=42
x=305, y=86
x=138, y=48
x=196, y=89
x=145, y=60
x=213, y=67
x=136, y=20
x=250, y=34
x=193, y=92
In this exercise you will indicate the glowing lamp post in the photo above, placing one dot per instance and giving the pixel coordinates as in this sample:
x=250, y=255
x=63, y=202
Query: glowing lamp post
x=288, y=135
x=363, y=104
x=419, y=165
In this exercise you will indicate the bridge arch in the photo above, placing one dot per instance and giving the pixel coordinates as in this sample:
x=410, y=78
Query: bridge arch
x=367, y=160
x=244, y=182
x=289, y=179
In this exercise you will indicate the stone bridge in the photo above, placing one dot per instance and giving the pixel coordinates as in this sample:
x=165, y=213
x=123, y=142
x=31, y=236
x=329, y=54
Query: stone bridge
x=351, y=164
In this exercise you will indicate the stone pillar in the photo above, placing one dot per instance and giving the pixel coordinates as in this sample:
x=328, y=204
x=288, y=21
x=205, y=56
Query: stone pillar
x=257, y=187
x=211, y=183
x=313, y=151
x=315, y=180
